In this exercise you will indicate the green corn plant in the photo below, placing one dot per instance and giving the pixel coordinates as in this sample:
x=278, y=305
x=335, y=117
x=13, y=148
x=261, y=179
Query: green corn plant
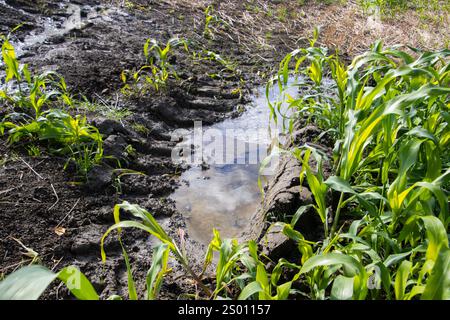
x=208, y=19
x=30, y=282
x=156, y=71
x=33, y=90
x=211, y=21
x=315, y=181
x=230, y=252
x=33, y=118
x=150, y=225
x=265, y=286
x=229, y=271
x=389, y=111
x=157, y=271
x=318, y=104
x=239, y=271
x=12, y=67
x=253, y=281
x=156, y=54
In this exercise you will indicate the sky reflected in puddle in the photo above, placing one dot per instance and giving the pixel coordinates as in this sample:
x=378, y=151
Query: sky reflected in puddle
x=226, y=196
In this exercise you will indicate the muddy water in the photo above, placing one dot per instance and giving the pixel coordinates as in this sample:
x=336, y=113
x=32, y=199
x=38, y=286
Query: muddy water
x=75, y=17
x=225, y=196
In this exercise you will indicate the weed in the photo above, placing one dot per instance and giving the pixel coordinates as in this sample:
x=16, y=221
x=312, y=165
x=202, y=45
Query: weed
x=282, y=14
x=140, y=128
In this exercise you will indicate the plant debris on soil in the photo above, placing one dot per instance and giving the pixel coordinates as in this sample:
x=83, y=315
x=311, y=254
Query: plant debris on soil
x=46, y=209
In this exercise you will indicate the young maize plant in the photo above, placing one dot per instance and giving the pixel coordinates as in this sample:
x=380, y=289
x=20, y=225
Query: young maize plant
x=155, y=73
x=158, y=67
x=30, y=282
x=388, y=113
x=212, y=22
x=31, y=115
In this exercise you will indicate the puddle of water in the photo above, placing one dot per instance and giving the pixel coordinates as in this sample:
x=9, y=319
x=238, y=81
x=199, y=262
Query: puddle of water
x=226, y=196
x=54, y=27
x=51, y=28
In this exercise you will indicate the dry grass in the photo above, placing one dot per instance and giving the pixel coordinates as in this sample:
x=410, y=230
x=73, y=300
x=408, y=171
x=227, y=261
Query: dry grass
x=261, y=26
x=351, y=30
x=265, y=30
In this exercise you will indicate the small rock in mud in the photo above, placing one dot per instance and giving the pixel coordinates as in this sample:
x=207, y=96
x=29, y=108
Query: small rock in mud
x=99, y=178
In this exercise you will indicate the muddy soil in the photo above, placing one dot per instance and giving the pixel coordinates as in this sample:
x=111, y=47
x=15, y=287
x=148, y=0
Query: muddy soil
x=37, y=195
x=283, y=196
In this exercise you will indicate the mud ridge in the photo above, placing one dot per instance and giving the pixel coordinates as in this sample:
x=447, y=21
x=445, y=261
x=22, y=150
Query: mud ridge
x=283, y=196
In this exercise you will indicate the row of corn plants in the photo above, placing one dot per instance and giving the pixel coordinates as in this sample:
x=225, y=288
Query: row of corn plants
x=35, y=110
x=385, y=236
x=388, y=114
x=158, y=69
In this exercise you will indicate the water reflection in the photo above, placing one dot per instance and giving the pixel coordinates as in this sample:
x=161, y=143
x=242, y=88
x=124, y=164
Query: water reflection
x=226, y=196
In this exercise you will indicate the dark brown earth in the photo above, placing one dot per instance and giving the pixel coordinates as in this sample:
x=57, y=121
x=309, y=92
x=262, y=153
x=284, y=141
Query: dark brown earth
x=37, y=194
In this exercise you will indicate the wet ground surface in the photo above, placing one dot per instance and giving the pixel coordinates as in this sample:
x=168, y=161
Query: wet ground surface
x=222, y=190
x=90, y=43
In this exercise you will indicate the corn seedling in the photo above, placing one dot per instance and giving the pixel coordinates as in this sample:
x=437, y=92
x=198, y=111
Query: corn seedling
x=150, y=225
x=212, y=21
x=239, y=272
x=120, y=173
x=156, y=71
x=33, y=118
x=386, y=236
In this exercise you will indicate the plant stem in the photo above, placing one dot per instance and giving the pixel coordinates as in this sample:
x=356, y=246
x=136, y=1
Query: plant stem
x=336, y=216
x=198, y=280
x=185, y=263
